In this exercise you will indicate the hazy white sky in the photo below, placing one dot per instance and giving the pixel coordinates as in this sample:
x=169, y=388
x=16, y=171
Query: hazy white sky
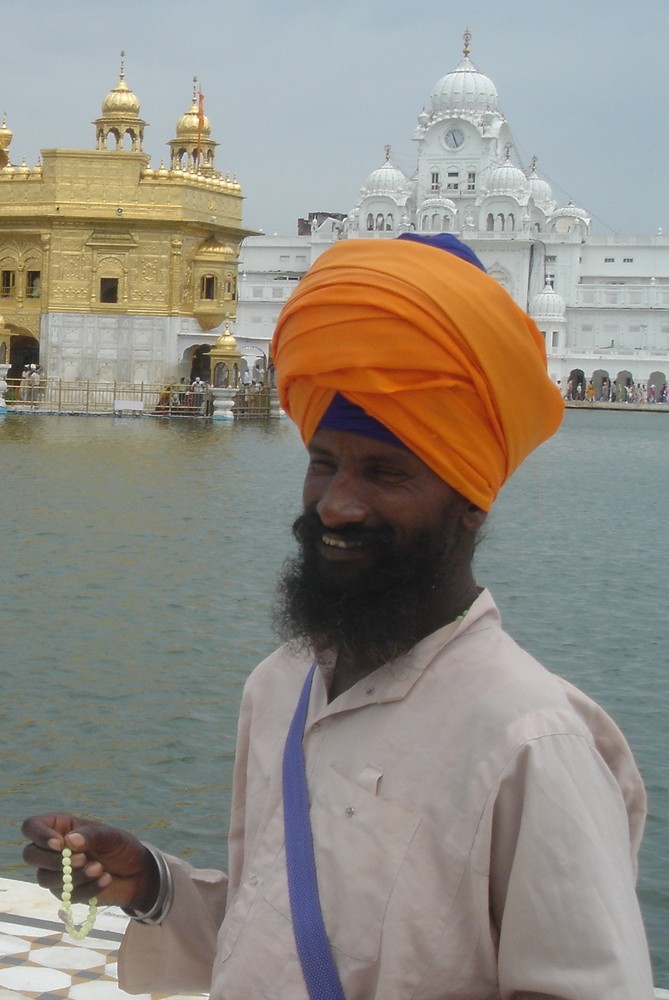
x=303, y=95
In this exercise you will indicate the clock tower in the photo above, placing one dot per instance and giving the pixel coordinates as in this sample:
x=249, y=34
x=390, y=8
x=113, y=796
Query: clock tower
x=461, y=138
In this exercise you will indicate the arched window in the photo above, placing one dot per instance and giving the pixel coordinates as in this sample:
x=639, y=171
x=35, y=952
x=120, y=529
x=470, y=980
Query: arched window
x=370, y=222
x=424, y=223
x=510, y=222
x=489, y=222
x=208, y=287
x=500, y=222
x=446, y=224
x=380, y=223
x=435, y=223
x=389, y=221
x=8, y=279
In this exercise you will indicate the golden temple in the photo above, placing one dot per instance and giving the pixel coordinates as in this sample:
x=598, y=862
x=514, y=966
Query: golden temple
x=111, y=269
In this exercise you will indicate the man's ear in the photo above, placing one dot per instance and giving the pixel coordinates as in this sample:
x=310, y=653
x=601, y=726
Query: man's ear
x=473, y=518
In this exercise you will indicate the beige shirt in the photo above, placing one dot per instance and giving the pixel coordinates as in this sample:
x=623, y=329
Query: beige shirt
x=476, y=822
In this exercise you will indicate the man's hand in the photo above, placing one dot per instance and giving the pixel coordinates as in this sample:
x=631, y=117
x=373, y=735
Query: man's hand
x=107, y=862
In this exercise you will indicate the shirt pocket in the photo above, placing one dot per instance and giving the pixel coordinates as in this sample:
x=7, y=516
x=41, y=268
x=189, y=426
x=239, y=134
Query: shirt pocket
x=360, y=843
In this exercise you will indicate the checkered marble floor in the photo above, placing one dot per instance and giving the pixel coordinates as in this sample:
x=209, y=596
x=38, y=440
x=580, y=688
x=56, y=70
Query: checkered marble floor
x=40, y=962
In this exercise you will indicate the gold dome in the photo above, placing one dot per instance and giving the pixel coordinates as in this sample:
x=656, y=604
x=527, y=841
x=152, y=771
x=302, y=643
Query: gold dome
x=225, y=341
x=121, y=99
x=188, y=126
x=6, y=134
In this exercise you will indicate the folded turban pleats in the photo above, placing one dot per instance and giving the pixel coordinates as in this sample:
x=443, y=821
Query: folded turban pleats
x=430, y=346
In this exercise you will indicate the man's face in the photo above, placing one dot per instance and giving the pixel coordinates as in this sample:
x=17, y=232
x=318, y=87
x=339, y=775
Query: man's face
x=381, y=541
x=361, y=489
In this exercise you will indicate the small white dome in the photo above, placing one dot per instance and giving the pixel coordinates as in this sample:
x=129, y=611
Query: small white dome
x=540, y=191
x=464, y=89
x=571, y=211
x=386, y=180
x=548, y=305
x=507, y=180
x=438, y=203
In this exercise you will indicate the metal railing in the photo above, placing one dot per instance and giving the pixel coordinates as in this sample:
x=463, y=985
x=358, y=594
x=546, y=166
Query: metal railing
x=62, y=396
x=252, y=402
x=129, y=399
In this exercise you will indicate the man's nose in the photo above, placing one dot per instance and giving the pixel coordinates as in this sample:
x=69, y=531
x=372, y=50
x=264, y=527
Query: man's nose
x=342, y=501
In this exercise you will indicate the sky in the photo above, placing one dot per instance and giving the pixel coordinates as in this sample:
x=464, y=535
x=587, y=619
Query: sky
x=303, y=95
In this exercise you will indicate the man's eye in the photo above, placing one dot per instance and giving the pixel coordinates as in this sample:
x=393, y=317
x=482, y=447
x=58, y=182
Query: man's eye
x=321, y=465
x=387, y=473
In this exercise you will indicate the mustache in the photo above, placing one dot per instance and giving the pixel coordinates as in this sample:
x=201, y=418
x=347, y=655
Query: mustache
x=308, y=529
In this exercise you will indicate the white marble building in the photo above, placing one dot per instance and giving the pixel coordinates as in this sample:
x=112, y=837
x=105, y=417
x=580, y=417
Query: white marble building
x=602, y=302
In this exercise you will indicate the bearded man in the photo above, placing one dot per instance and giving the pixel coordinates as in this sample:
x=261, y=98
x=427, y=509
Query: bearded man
x=420, y=810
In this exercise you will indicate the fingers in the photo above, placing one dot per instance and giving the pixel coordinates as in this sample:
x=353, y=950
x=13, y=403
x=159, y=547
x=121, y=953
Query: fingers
x=89, y=878
x=88, y=839
x=107, y=862
x=47, y=860
x=50, y=829
x=48, y=835
x=83, y=888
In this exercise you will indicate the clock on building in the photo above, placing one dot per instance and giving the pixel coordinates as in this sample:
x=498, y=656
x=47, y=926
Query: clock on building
x=454, y=138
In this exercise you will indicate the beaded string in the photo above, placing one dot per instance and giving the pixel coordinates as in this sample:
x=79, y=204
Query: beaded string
x=65, y=913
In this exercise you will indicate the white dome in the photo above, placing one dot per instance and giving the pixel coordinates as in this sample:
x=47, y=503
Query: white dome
x=540, y=192
x=571, y=211
x=464, y=89
x=548, y=305
x=507, y=180
x=387, y=180
x=438, y=203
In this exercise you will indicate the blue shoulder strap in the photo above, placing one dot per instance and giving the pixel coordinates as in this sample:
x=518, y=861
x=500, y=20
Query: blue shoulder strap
x=313, y=948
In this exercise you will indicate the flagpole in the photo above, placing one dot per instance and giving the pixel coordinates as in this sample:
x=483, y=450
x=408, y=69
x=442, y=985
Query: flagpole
x=200, y=123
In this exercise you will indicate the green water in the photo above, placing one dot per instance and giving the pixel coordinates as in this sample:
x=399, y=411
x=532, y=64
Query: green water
x=139, y=564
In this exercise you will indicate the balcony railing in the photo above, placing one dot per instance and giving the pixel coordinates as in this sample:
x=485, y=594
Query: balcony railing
x=129, y=399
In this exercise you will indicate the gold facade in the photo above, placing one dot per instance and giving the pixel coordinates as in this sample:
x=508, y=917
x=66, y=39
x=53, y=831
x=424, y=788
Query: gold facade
x=101, y=233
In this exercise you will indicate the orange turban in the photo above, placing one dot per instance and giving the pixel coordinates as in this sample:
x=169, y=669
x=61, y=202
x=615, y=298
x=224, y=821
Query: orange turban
x=427, y=344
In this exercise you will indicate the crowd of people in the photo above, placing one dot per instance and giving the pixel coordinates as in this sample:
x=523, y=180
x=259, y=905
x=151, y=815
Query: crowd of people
x=186, y=397
x=615, y=392
x=28, y=388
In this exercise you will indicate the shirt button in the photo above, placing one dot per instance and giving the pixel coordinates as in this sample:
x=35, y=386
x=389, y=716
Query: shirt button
x=350, y=811
x=316, y=726
x=253, y=879
x=370, y=690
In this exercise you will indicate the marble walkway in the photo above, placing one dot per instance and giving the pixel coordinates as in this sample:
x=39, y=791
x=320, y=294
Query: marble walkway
x=39, y=961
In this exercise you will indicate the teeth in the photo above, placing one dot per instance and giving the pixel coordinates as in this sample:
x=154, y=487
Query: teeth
x=338, y=543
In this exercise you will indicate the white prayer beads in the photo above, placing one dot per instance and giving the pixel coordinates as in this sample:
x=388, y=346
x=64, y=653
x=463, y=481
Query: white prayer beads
x=65, y=913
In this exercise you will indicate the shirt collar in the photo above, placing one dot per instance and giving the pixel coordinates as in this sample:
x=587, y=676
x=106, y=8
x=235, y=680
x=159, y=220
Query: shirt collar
x=393, y=681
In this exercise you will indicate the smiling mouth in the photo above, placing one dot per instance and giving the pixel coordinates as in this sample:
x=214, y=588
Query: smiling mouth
x=339, y=543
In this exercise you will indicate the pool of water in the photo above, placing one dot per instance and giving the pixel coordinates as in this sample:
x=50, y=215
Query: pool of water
x=139, y=564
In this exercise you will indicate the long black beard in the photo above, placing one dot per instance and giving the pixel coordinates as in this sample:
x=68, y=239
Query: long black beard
x=374, y=617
